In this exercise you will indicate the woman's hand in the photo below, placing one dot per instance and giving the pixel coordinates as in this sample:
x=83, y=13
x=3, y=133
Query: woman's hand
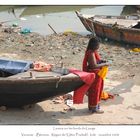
x=106, y=64
x=103, y=61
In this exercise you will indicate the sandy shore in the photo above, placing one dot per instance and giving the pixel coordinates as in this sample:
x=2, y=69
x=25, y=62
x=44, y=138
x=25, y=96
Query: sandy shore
x=123, y=78
x=123, y=109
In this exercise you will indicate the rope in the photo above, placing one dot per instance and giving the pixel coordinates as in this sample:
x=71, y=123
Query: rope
x=57, y=83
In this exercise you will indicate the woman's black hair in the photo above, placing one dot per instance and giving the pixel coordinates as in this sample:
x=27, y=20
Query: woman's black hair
x=93, y=44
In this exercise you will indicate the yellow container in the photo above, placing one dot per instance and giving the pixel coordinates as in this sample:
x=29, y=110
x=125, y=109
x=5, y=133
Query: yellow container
x=136, y=50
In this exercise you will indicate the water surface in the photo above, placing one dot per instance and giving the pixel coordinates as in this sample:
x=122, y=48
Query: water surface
x=61, y=18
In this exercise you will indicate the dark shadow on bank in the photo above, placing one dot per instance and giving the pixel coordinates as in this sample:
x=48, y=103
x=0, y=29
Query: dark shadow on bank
x=29, y=116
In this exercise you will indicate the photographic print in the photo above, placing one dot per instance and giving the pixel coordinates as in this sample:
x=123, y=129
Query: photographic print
x=69, y=65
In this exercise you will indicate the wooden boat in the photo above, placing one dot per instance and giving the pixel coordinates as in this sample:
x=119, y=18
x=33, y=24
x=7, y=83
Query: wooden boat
x=31, y=87
x=41, y=9
x=120, y=28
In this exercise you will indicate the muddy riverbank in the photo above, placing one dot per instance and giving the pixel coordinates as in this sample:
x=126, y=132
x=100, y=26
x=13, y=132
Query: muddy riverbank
x=69, y=48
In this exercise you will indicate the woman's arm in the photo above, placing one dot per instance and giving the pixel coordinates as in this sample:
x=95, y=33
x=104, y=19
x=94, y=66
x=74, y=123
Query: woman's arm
x=93, y=63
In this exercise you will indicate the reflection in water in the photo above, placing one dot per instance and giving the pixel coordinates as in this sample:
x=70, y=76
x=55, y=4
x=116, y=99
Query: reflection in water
x=9, y=8
x=35, y=10
x=130, y=10
x=12, y=10
x=6, y=8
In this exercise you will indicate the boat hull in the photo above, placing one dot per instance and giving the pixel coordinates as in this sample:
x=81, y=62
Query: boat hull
x=20, y=92
x=121, y=34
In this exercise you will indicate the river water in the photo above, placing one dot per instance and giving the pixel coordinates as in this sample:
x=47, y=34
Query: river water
x=61, y=18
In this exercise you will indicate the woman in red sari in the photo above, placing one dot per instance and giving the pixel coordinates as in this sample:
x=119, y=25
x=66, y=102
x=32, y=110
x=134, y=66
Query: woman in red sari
x=93, y=63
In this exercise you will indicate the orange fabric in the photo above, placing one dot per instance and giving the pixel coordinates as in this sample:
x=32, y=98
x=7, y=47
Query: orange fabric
x=42, y=66
x=105, y=96
x=103, y=72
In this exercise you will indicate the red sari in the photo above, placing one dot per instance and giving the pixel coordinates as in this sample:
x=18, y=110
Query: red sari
x=95, y=90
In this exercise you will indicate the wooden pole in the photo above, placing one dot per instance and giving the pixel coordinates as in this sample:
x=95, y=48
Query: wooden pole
x=52, y=28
